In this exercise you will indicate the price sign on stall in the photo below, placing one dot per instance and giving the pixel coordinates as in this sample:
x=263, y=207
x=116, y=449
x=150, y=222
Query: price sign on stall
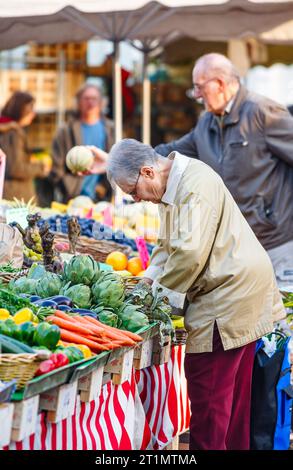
x=2, y=172
x=142, y=251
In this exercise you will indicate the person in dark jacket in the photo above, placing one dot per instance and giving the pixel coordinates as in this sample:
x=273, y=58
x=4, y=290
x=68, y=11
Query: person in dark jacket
x=16, y=115
x=89, y=127
x=248, y=140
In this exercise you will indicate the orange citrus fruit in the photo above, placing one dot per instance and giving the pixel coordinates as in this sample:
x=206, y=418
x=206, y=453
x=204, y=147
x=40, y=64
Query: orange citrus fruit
x=134, y=266
x=117, y=260
x=141, y=274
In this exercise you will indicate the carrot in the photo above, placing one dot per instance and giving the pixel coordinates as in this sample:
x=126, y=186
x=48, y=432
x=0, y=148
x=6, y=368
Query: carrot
x=119, y=336
x=71, y=326
x=112, y=332
x=76, y=338
x=133, y=336
x=94, y=328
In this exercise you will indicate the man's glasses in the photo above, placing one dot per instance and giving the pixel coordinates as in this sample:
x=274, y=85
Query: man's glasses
x=198, y=87
x=133, y=192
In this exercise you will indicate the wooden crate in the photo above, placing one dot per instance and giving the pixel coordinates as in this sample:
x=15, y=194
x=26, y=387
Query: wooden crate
x=59, y=402
x=42, y=84
x=121, y=367
x=73, y=52
x=90, y=385
x=41, y=132
x=6, y=416
x=161, y=352
x=25, y=418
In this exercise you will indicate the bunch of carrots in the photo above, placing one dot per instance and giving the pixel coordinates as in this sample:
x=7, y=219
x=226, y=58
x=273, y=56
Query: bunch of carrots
x=89, y=331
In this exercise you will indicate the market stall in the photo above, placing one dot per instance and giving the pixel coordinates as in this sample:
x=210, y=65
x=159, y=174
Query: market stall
x=87, y=347
x=139, y=414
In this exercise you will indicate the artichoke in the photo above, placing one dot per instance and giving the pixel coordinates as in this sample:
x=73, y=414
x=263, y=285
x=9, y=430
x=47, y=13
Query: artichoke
x=24, y=285
x=79, y=294
x=82, y=269
x=132, y=318
x=109, y=317
x=49, y=285
x=109, y=293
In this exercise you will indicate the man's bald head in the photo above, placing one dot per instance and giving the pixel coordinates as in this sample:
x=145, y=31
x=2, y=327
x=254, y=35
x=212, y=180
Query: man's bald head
x=216, y=65
x=216, y=81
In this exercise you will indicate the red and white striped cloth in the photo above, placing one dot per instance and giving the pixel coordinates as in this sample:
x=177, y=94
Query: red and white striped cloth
x=145, y=413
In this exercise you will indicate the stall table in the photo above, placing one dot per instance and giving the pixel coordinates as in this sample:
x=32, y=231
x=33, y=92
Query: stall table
x=147, y=412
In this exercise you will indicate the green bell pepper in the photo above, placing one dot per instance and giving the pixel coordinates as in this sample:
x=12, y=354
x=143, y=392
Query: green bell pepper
x=46, y=335
x=27, y=332
x=74, y=354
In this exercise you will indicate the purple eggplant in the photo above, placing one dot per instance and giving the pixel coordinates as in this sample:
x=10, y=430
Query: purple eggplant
x=34, y=298
x=84, y=311
x=61, y=300
x=64, y=308
x=46, y=303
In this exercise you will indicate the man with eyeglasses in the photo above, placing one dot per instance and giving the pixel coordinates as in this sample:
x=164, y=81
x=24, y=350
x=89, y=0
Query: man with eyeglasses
x=88, y=127
x=248, y=140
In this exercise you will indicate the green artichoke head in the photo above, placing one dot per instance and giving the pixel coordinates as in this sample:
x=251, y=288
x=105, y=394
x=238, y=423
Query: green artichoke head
x=49, y=285
x=82, y=269
x=24, y=285
x=109, y=293
x=79, y=294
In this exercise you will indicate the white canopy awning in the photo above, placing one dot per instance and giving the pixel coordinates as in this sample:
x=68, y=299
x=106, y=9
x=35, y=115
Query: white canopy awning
x=56, y=21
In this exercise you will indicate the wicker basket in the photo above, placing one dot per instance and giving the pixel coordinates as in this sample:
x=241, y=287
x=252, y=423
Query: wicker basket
x=7, y=277
x=98, y=249
x=131, y=282
x=21, y=367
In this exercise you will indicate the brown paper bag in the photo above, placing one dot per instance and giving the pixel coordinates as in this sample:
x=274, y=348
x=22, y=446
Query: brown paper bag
x=11, y=246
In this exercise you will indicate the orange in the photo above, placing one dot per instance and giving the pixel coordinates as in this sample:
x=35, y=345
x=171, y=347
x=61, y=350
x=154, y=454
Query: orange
x=117, y=260
x=134, y=266
x=141, y=274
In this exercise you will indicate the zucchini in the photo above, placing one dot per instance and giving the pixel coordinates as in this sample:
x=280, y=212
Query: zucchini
x=12, y=346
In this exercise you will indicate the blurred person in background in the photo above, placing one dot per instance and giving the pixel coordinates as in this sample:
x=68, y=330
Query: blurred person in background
x=17, y=114
x=88, y=127
x=248, y=140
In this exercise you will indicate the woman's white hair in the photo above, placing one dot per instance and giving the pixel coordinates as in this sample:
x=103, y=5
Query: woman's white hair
x=126, y=158
x=218, y=66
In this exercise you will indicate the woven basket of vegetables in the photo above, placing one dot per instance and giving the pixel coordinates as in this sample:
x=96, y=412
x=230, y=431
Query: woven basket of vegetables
x=21, y=367
x=98, y=249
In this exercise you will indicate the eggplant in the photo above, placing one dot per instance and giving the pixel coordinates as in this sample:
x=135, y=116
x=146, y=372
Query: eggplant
x=61, y=300
x=84, y=311
x=34, y=298
x=46, y=303
x=64, y=308
x=83, y=314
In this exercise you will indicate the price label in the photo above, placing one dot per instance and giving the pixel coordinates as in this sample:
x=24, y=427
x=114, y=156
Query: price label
x=18, y=215
x=143, y=251
x=2, y=172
